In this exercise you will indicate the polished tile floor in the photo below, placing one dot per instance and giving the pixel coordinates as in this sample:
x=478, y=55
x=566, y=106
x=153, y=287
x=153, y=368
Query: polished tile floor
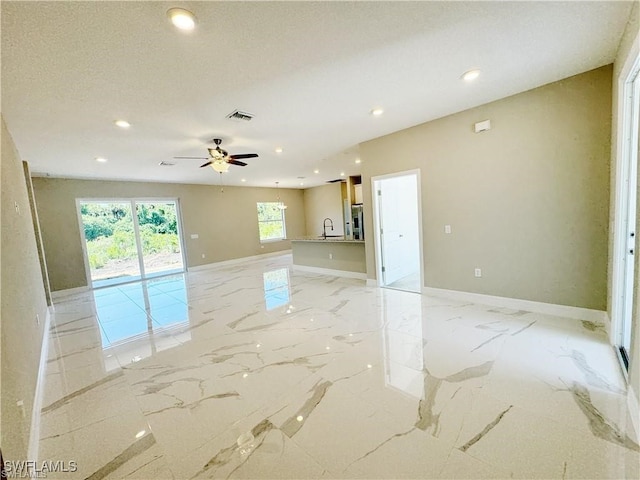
x=258, y=371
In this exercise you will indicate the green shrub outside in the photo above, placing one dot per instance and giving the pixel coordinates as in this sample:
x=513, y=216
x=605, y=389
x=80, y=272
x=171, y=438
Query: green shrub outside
x=108, y=229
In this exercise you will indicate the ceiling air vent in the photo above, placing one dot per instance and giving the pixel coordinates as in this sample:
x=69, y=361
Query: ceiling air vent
x=240, y=116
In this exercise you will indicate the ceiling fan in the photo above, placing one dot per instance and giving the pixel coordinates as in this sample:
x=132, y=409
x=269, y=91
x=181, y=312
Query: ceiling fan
x=219, y=159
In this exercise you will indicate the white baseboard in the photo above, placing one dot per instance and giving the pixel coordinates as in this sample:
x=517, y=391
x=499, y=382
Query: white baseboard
x=34, y=434
x=235, y=261
x=577, y=313
x=329, y=271
x=372, y=282
x=70, y=291
x=634, y=412
x=607, y=326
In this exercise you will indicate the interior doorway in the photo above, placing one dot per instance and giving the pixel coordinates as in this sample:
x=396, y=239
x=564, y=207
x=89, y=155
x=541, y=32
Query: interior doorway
x=398, y=227
x=129, y=240
x=625, y=276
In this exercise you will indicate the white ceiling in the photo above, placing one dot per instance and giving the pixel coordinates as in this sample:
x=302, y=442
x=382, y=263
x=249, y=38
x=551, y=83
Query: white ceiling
x=310, y=72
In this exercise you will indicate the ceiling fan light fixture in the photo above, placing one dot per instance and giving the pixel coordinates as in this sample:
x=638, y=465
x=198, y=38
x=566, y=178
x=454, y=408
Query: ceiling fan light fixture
x=182, y=19
x=217, y=153
x=220, y=166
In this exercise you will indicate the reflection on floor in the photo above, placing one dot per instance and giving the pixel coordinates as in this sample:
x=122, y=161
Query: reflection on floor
x=410, y=283
x=258, y=371
x=131, y=277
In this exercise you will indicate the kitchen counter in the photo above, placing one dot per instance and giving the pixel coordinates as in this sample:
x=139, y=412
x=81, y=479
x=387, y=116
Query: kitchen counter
x=331, y=256
x=328, y=239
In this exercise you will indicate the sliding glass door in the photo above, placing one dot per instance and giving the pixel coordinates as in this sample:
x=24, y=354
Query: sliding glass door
x=122, y=247
x=160, y=241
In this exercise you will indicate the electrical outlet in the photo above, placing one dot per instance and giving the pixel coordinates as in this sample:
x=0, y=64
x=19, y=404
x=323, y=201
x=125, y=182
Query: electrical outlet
x=17, y=207
x=203, y=255
x=331, y=256
x=447, y=229
x=478, y=272
x=37, y=319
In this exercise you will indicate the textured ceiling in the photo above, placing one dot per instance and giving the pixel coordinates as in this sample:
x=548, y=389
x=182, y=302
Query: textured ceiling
x=310, y=72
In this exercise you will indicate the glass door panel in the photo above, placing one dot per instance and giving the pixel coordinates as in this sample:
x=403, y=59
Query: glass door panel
x=159, y=238
x=110, y=242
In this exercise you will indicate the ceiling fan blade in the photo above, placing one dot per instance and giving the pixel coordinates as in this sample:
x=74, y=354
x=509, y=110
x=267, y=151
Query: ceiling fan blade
x=191, y=158
x=243, y=155
x=236, y=162
x=336, y=180
x=206, y=164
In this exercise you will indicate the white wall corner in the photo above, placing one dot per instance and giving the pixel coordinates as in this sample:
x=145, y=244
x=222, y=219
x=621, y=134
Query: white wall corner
x=576, y=313
x=34, y=433
x=634, y=412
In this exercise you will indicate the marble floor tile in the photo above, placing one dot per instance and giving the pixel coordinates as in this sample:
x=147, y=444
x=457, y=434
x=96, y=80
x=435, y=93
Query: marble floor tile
x=257, y=370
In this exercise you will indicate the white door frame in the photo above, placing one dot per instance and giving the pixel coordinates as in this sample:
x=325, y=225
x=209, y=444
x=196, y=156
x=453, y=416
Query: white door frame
x=132, y=202
x=626, y=126
x=376, y=223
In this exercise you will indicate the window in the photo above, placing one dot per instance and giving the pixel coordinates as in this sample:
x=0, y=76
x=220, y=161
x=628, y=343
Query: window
x=271, y=221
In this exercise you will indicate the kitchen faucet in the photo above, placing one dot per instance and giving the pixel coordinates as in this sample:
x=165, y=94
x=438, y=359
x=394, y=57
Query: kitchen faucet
x=324, y=227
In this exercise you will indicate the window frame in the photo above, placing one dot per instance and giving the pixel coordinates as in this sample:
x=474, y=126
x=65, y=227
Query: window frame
x=282, y=220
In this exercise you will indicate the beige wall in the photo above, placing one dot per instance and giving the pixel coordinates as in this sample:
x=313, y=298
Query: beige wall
x=23, y=298
x=628, y=48
x=527, y=200
x=226, y=223
x=346, y=256
x=324, y=202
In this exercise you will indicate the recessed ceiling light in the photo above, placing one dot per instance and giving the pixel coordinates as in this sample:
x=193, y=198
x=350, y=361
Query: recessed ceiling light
x=342, y=174
x=181, y=18
x=358, y=160
x=243, y=179
x=122, y=123
x=316, y=171
x=376, y=112
x=141, y=433
x=470, y=75
x=301, y=183
x=101, y=159
x=278, y=149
